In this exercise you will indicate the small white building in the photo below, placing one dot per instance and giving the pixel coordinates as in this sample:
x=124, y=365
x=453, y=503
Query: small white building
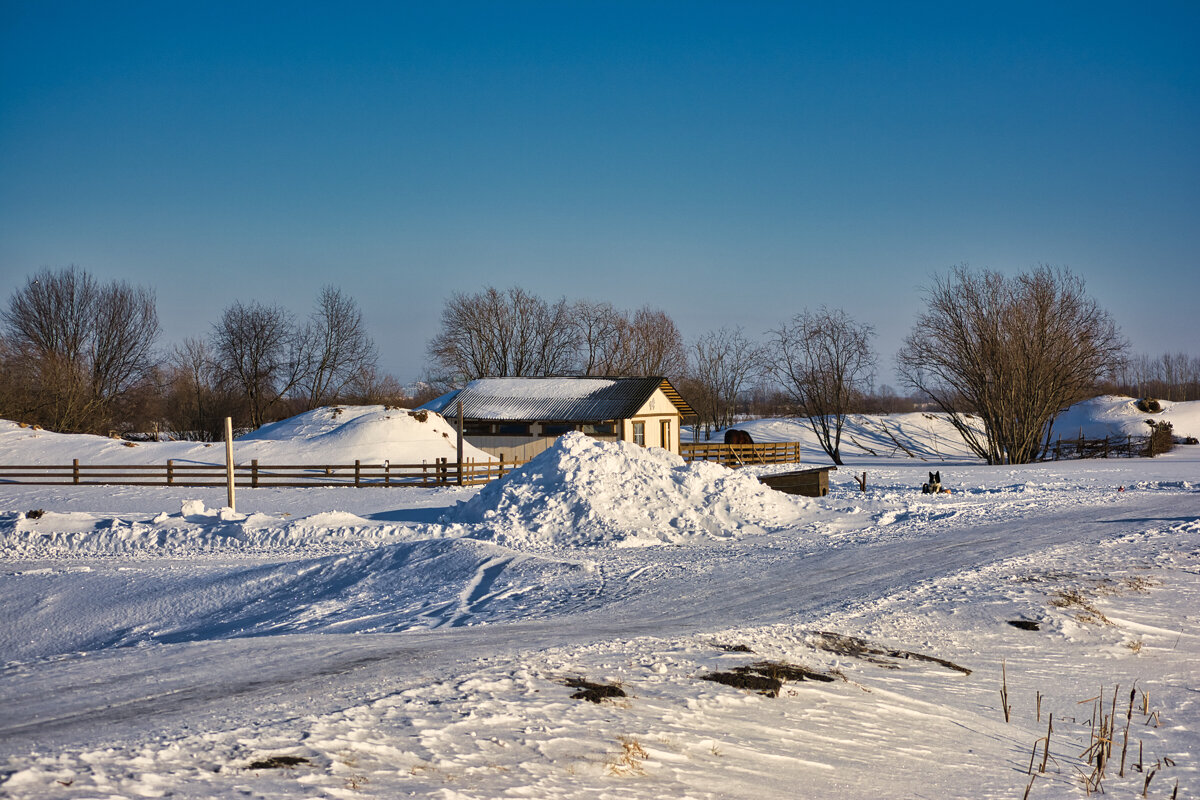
x=517, y=418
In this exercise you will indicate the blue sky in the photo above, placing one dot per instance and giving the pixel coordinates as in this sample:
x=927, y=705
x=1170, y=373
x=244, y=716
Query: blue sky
x=731, y=163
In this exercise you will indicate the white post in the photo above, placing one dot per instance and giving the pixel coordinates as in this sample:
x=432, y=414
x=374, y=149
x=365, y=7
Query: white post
x=229, y=462
x=460, y=442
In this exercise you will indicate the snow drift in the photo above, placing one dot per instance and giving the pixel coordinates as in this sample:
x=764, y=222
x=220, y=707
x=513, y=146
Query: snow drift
x=588, y=492
x=327, y=435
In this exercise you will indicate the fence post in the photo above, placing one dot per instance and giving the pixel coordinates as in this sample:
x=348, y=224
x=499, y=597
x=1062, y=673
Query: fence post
x=501, y=475
x=460, y=443
x=229, y=463
x=170, y=471
x=387, y=472
x=254, y=472
x=75, y=469
x=357, y=473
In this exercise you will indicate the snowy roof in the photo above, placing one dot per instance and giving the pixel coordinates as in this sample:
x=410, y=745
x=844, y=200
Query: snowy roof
x=564, y=399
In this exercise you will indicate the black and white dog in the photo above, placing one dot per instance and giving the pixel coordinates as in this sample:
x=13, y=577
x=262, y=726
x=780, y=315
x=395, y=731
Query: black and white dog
x=935, y=484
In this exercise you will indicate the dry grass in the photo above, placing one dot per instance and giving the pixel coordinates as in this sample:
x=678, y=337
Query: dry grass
x=1075, y=600
x=628, y=762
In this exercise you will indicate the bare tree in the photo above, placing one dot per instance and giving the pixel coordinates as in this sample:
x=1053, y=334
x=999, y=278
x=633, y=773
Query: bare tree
x=370, y=387
x=509, y=333
x=723, y=364
x=259, y=350
x=79, y=345
x=1016, y=351
x=341, y=351
x=603, y=335
x=192, y=405
x=824, y=361
x=657, y=345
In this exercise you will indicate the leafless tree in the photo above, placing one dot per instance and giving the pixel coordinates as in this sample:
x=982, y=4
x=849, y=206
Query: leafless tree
x=823, y=359
x=369, y=386
x=259, y=350
x=723, y=364
x=79, y=345
x=604, y=336
x=657, y=345
x=1016, y=351
x=341, y=350
x=192, y=380
x=497, y=333
x=612, y=342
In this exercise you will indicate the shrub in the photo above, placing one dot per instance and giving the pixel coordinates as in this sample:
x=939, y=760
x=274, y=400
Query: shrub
x=1148, y=405
x=1161, y=439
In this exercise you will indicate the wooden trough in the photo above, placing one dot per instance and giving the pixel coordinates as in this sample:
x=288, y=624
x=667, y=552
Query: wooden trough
x=812, y=482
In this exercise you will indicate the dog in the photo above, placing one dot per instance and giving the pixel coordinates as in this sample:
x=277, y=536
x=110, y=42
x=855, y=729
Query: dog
x=935, y=484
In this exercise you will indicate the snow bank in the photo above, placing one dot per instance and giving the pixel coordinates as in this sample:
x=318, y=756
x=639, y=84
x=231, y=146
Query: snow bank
x=327, y=435
x=1113, y=415
x=587, y=492
x=930, y=436
x=194, y=529
x=372, y=434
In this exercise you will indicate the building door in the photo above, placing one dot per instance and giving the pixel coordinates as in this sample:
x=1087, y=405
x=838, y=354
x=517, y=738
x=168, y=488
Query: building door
x=665, y=437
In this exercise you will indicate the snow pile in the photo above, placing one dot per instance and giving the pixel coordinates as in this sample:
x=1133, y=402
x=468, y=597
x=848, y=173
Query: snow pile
x=931, y=437
x=372, y=434
x=195, y=528
x=1113, y=415
x=587, y=492
x=327, y=435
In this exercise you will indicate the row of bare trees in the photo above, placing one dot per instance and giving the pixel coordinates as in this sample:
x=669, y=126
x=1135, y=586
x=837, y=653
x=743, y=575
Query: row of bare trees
x=1169, y=376
x=73, y=347
x=515, y=333
x=822, y=360
x=1014, y=351
x=77, y=355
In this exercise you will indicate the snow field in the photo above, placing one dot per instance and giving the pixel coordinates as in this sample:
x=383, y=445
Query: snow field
x=418, y=642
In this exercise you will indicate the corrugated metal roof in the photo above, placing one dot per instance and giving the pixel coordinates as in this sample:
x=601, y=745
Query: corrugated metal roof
x=554, y=399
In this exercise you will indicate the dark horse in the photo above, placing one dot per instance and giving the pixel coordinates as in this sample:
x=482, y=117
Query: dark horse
x=738, y=437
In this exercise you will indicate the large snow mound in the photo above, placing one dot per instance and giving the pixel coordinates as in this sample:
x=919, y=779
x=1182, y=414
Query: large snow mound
x=588, y=492
x=931, y=436
x=1114, y=415
x=373, y=434
x=327, y=435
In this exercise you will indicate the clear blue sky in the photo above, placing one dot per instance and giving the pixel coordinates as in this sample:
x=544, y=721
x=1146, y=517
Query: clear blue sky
x=731, y=163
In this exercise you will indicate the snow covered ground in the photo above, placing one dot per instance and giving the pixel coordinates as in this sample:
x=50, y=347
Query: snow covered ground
x=328, y=435
x=421, y=642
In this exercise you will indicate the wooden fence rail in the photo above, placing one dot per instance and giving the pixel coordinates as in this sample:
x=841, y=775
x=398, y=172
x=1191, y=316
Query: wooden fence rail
x=739, y=455
x=441, y=472
x=1108, y=447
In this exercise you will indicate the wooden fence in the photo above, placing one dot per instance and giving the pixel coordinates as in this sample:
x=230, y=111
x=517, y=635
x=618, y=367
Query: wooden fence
x=441, y=472
x=255, y=475
x=740, y=455
x=1108, y=447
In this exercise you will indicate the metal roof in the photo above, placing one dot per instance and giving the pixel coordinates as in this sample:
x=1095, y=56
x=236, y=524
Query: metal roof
x=555, y=399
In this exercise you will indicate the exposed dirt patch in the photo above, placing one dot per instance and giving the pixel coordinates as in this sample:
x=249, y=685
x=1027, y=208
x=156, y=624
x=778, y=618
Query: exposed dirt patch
x=593, y=692
x=278, y=762
x=882, y=656
x=1025, y=624
x=765, y=677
